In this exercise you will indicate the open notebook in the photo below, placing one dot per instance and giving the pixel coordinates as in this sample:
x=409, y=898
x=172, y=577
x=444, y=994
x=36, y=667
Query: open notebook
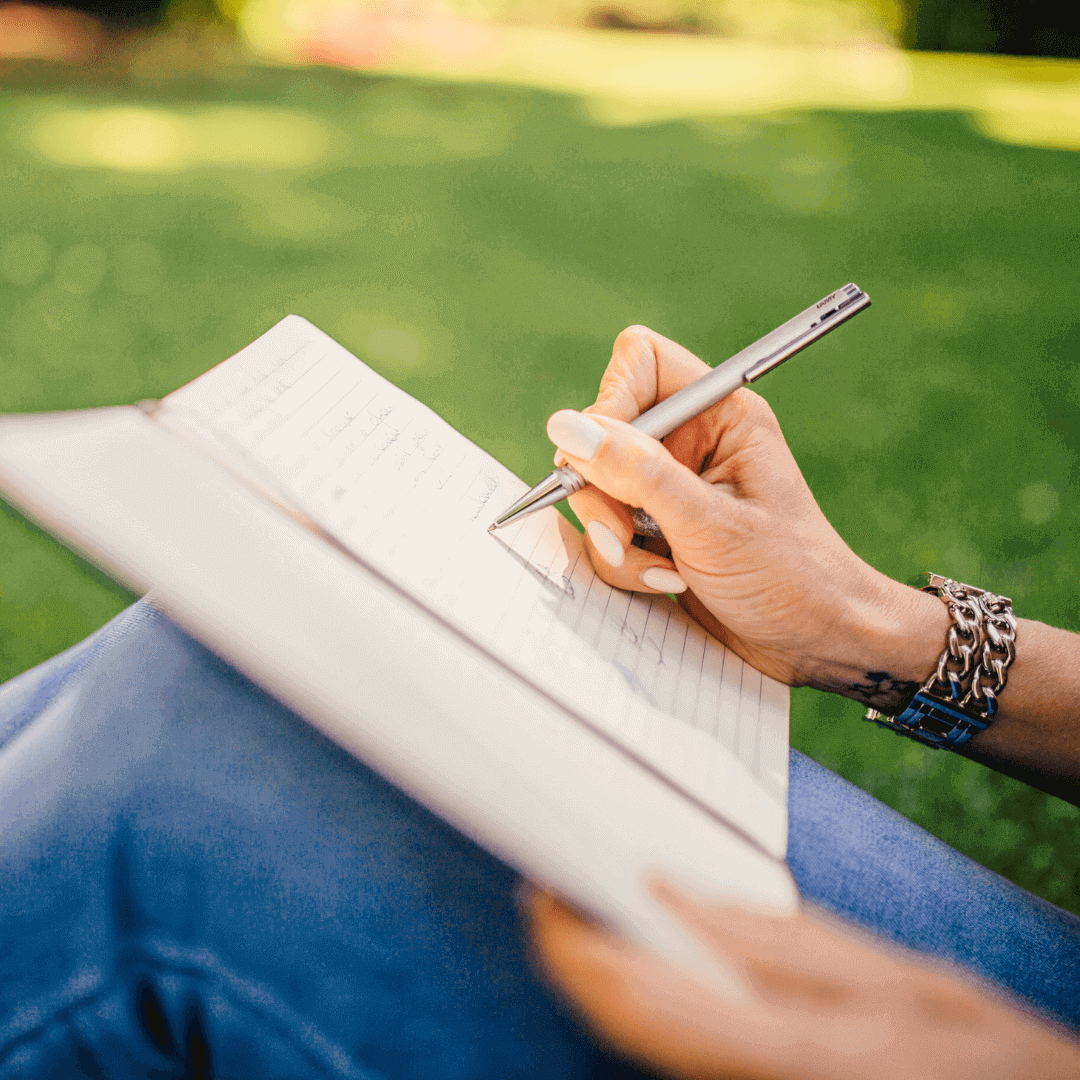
x=327, y=534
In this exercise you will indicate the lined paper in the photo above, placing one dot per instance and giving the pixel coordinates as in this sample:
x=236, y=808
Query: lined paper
x=402, y=488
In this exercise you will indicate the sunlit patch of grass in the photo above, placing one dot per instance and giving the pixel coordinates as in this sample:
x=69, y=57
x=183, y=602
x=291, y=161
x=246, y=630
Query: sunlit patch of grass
x=158, y=139
x=632, y=78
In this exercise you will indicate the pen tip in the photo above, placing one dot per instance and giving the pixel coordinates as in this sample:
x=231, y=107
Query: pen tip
x=491, y=527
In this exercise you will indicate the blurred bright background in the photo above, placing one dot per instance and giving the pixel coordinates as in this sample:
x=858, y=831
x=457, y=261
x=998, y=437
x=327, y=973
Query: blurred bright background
x=476, y=196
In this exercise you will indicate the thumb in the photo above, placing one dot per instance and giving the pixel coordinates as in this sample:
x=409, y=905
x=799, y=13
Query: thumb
x=635, y=469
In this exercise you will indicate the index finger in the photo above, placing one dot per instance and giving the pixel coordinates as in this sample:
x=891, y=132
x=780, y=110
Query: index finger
x=645, y=368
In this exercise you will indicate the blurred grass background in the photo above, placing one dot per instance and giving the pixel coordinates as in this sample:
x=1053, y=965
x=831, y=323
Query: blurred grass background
x=482, y=245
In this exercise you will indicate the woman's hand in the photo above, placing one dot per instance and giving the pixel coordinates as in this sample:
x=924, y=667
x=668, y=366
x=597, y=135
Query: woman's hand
x=827, y=1005
x=761, y=567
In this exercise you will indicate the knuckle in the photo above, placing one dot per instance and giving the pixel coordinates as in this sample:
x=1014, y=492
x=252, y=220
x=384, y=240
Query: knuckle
x=633, y=333
x=748, y=402
x=614, y=391
x=635, y=343
x=754, y=409
x=607, y=574
x=629, y=382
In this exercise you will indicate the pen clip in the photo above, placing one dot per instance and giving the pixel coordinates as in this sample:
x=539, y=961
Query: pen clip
x=849, y=300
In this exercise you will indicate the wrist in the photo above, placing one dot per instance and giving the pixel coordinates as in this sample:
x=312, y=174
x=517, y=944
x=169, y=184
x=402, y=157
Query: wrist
x=890, y=637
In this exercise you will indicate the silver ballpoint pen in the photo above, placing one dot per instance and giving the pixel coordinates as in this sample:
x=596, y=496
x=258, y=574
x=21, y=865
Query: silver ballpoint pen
x=740, y=370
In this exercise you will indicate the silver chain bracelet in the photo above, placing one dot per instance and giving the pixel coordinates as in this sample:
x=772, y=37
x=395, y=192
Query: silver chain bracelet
x=980, y=647
x=961, y=695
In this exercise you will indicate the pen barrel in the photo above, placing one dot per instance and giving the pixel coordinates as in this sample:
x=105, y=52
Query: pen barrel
x=753, y=361
x=689, y=402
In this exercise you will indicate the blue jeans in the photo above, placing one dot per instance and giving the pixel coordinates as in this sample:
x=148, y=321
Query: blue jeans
x=194, y=882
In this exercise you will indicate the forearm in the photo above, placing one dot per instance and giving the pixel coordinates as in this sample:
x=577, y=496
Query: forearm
x=1035, y=735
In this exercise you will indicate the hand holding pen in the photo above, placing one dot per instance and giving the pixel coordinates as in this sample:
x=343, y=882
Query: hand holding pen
x=745, y=367
x=753, y=557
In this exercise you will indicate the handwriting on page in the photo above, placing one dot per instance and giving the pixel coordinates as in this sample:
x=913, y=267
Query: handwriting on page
x=397, y=483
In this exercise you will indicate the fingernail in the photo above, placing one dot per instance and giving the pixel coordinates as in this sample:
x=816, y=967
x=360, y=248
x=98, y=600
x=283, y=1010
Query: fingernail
x=606, y=542
x=579, y=436
x=662, y=580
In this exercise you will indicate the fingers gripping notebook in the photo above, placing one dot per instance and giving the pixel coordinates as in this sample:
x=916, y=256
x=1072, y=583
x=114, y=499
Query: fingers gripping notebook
x=328, y=534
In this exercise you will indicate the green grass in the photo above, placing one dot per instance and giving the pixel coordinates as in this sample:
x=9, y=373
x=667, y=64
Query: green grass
x=483, y=247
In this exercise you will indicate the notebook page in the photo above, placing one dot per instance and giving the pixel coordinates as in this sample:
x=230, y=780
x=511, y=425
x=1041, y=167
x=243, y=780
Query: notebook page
x=406, y=491
x=487, y=752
